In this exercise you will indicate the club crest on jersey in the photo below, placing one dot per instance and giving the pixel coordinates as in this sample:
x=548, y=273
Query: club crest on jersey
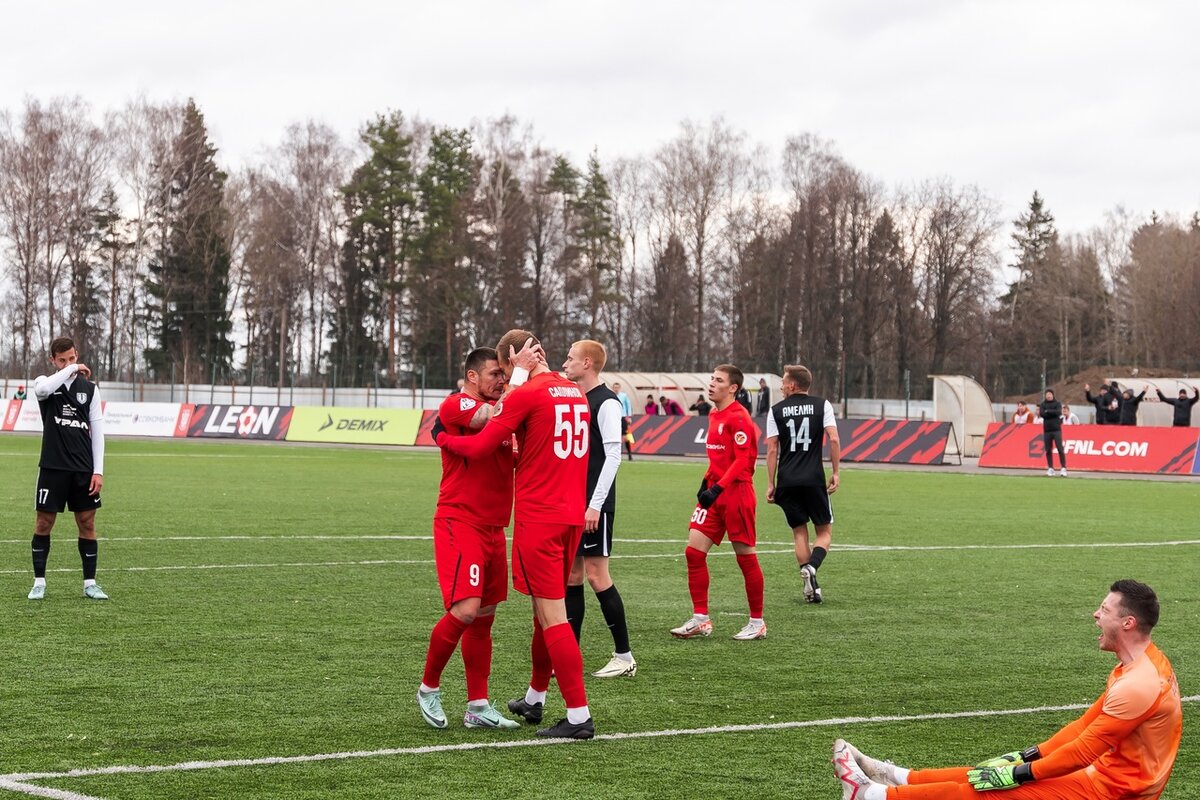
x=740, y=438
x=465, y=404
x=81, y=397
x=720, y=428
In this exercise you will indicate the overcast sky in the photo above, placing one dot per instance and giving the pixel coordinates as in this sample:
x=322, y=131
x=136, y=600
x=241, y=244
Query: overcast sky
x=1091, y=102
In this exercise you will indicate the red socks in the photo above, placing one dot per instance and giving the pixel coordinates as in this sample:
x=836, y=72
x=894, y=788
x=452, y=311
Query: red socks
x=442, y=642
x=539, y=680
x=697, y=567
x=752, y=573
x=568, y=663
x=477, y=657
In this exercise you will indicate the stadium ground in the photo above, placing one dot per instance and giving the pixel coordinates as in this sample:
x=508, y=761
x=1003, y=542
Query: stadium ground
x=271, y=607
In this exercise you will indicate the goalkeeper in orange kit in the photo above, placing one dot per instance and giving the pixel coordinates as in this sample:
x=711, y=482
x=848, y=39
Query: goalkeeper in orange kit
x=1122, y=748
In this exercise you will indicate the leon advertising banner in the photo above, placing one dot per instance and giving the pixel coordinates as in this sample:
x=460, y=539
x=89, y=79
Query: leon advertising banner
x=233, y=422
x=1100, y=448
x=354, y=425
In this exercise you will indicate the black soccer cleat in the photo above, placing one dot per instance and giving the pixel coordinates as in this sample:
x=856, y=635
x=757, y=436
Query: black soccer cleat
x=812, y=590
x=532, y=712
x=565, y=730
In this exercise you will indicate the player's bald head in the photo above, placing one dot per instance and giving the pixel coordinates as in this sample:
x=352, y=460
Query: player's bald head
x=590, y=348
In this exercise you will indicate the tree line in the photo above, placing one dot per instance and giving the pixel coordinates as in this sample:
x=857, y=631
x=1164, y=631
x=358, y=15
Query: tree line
x=382, y=261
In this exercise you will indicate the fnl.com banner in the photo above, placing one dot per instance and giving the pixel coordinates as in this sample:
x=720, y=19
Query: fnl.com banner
x=1099, y=448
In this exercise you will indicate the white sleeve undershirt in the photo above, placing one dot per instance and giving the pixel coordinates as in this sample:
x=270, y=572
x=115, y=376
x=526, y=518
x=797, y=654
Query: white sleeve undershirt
x=96, y=424
x=44, y=386
x=609, y=421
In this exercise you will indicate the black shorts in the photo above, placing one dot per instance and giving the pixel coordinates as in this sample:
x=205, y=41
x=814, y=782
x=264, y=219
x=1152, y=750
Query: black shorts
x=599, y=541
x=58, y=490
x=804, y=504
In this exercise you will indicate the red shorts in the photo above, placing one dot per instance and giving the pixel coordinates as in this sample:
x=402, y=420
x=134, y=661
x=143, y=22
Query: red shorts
x=542, y=555
x=470, y=561
x=733, y=512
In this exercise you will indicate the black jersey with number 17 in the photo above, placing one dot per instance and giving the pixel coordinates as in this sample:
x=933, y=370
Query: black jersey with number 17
x=67, y=428
x=799, y=421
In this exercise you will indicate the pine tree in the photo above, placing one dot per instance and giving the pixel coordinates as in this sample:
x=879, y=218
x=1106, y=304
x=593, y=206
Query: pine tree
x=443, y=288
x=189, y=282
x=595, y=246
x=380, y=206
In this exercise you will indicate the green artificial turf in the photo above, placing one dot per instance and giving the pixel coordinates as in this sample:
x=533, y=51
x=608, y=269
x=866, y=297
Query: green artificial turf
x=276, y=601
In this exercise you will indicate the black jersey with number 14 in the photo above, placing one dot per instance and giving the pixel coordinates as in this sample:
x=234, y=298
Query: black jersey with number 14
x=799, y=421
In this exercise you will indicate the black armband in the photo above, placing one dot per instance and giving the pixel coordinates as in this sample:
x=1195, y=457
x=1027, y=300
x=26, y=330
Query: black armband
x=1022, y=773
x=1031, y=754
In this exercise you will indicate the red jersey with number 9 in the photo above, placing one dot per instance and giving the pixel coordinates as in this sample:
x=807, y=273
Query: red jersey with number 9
x=551, y=419
x=473, y=490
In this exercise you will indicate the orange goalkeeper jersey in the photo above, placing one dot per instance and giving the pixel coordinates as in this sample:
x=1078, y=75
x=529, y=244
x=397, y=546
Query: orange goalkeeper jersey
x=1128, y=739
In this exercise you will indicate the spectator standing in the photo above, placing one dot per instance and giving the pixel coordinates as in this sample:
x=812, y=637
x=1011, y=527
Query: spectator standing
x=626, y=419
x=1183, y=407
x=701, y=406
x=20, y=395
x=743, y=398
x=671, y=407
x=1051, y=412
x=1100, y=401
x=651, y=406
x=1129, y=406
x=1069, y=417
x=764, y=398
x=1023, y=414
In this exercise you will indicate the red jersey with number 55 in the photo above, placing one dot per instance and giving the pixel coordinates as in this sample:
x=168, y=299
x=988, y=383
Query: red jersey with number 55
x=551, y=419
x=477, y=490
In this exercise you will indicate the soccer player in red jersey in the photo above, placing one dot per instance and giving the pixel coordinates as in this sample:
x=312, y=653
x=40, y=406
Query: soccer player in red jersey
x=474, y=505
x=550, y=417
x=726, y=504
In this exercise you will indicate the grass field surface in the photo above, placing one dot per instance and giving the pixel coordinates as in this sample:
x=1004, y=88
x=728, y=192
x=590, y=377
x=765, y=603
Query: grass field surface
x=272, y=604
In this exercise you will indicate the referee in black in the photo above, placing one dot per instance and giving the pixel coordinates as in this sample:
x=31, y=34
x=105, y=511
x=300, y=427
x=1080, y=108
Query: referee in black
x=1050, y=410
x=797, y=429
x=72, y=465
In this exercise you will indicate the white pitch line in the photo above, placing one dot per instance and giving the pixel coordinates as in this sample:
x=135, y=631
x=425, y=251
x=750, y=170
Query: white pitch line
x=639, y=556
x=7, y=781
x=43, y=791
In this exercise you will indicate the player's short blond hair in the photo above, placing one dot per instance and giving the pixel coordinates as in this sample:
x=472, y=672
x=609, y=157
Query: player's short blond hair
x=590, y=348
x=515, y=339
x=799, y=375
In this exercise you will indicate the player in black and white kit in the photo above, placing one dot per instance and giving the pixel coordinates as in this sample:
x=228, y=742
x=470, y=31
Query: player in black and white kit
x=584, y=362
x=797, y=429
x=72, y=465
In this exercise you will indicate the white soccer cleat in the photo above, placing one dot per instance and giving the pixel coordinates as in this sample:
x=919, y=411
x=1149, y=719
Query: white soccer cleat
x=693, y=628
x=1050, y=472
x=94, y=592
x=878, y=771
x=751, y=631
x=617, y=668
x=1063, y=472
x=855, y=784
x=38, y=591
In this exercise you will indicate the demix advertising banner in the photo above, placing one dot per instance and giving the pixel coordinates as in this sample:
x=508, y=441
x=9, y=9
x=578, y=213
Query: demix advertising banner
x=397, y=426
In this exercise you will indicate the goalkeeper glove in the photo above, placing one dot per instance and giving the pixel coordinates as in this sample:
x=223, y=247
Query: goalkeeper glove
x=437, y=429
x=1013, y=758
x=1006, y=760
x=710, y=495
x=984, y=779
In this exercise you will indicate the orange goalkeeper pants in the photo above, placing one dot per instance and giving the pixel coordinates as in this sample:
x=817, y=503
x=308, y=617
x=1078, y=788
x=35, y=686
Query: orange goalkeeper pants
x=951, y=784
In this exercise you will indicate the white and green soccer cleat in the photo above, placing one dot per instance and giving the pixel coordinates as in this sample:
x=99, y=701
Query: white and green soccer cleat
x=489, y=717
x=431, y=708
x=94, y=592
x=38, y=591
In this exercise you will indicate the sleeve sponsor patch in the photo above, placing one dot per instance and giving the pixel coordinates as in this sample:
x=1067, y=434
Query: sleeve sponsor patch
x=466, y=403
x=740, y=438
